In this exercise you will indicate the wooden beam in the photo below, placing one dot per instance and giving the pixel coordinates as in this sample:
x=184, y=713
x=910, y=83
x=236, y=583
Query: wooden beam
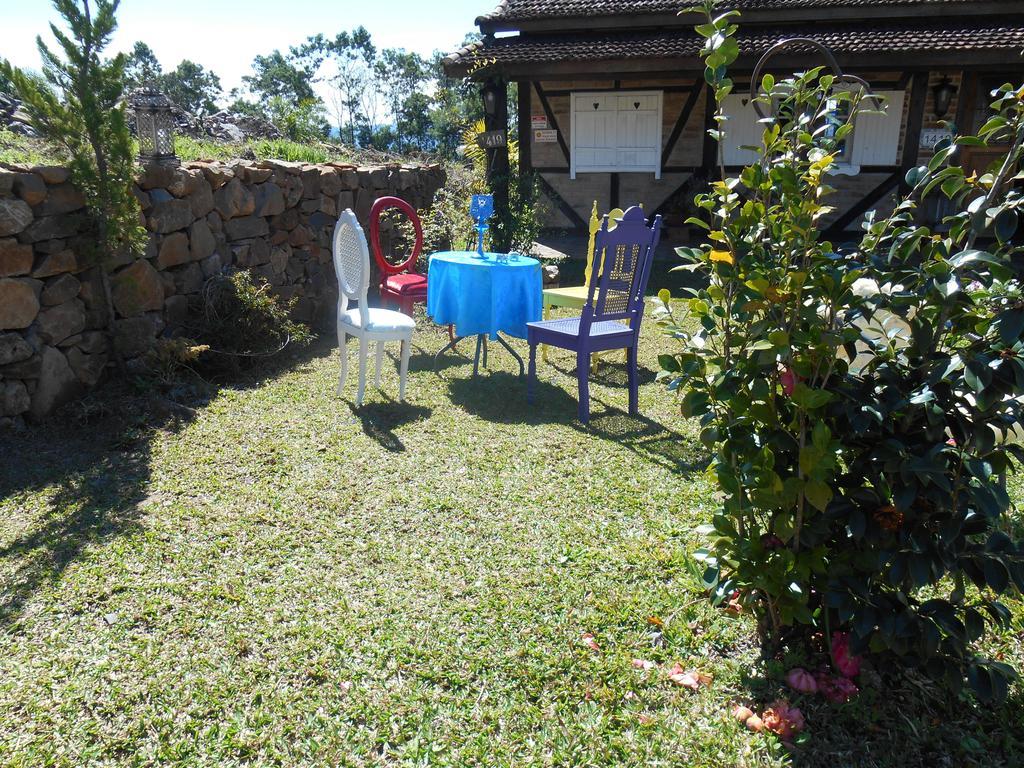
x=862, y=206
x=966, y=101
x=497, y=165
x=553, y=122
x=915, y=119
x=525, y=128
x=681, y=121
x=564, y=207
x=613, y=191
x=654, y=87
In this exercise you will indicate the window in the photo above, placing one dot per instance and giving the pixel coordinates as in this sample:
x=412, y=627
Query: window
x=616, y=131
x=875, y=139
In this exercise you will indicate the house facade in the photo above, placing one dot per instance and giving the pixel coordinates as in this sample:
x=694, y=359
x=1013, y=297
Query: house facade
x=612, y=104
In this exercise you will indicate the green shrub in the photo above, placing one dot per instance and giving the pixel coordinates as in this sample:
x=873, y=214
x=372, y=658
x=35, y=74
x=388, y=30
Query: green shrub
x=242, y=319
x=864, y=498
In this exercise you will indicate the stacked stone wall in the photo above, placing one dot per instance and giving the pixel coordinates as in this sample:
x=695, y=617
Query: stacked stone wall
x=273, y=218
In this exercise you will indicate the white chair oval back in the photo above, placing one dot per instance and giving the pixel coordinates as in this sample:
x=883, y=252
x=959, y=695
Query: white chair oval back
x=351, y=262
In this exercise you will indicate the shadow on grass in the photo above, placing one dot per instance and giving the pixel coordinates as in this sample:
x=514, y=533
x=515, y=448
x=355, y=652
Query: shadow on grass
x=500, y=397
x=380, y=420
x=99, y=471
x=94, y=455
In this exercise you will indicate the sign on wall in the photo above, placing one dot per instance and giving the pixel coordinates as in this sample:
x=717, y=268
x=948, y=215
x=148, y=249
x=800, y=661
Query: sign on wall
x=539, y=122
x=547, y=136
x=492, y=139
x=932, y=136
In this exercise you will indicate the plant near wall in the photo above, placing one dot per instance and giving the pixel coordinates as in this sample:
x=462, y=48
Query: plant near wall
x=857, y=404
x=78, y=105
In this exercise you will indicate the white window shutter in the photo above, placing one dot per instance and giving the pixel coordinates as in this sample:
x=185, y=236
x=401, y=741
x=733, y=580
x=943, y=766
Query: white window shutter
x=616, y=131
x=876, y=138
x=741, y=129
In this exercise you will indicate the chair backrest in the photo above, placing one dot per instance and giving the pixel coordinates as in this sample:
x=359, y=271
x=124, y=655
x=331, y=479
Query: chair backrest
x=622, y=260
x=351, y=262
x=380, y=205
x=595, y=224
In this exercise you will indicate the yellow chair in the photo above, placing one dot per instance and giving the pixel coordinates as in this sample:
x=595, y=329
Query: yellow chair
x=575, y=297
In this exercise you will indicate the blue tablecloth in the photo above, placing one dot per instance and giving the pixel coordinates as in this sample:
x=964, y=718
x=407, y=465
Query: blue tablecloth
x=484, y=295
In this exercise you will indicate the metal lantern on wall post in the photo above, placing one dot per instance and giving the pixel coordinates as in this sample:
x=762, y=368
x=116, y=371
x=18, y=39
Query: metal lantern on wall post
x=154, y=125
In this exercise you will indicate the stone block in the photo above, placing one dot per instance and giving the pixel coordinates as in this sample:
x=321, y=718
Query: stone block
x=52, y=174
x=328, y=206
x=174, y=250
x=160, y=196
x=212, y=265
x=189, y=279
x=137, y=289
x=58, y=263
x=234, y=199
x=183, y=182
x=15, y=216
x=345, y=200
x=57, y=384
x=215, y=222
x=176, y=310
x=15, y=257
x=217, y=175
x=59, y=290
x=330, y=182
x=288, y=220
x=30, y=187
x=87, y=368
x=62, y=198
x=14, y=398
x=135, y=335
x=169, y=216
x=50, y=246
x=13, y=348
x=201, y=198
x=279, y=257
x=93, y=343
x=311, y=182
x=300, y=236
x=258, y=175
x=202, y=242
x=19, y=304
x=54, y=324
x=269, y=199
x=157, y=176
x=243, y=228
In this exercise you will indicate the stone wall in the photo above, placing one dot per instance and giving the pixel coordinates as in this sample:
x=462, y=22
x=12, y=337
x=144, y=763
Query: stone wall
x=273, y=218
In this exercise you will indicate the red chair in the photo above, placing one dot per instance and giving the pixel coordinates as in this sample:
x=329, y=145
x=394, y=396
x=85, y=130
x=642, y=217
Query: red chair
x=399, y=283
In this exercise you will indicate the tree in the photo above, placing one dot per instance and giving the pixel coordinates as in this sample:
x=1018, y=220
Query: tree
x=400, y=74
x=456, y=104
x=80, y=107
x=142, y=67
x=192, y=88
x=354, y=56
x=277, y=75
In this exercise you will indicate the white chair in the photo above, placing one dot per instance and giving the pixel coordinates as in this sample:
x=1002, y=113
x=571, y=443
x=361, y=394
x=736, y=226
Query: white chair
x=352, y=265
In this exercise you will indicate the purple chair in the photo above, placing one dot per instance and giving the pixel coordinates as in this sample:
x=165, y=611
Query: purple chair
x=622, y=262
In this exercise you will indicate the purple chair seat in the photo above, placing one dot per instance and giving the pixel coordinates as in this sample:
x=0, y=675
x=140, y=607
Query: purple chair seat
x=614, y=309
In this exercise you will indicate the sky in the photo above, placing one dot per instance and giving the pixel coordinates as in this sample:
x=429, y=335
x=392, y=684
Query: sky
x=225, y=35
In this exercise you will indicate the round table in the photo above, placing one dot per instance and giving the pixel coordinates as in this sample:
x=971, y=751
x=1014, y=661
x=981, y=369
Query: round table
x=484, y=296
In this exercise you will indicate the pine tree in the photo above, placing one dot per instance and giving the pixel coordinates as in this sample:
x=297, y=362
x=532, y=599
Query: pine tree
x=79, y=106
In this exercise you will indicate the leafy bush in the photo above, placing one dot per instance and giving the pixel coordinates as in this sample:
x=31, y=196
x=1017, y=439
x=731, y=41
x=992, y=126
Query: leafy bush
x=242, y=319
x=857, y=404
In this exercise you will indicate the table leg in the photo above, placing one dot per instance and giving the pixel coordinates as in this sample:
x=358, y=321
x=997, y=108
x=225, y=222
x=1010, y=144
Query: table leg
x=450, y=345
x=476, y=358
x=512, y=352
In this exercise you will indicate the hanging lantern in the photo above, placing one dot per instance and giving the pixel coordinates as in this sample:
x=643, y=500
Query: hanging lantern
x=154, y=125
x=943, y=94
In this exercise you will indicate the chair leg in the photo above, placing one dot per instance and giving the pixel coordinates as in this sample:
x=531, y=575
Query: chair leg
x=532, y=374
x=634, y=395
x=363, y=349
x=403, y=370
x=380, y=362
x=544, y=347
x=582, y=373
x=343, y=349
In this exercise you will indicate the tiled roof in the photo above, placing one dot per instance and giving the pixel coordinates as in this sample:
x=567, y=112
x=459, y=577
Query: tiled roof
x=521, y=10
x=682, y=43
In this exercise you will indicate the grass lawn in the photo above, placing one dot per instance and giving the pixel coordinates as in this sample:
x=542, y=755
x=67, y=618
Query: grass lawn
x=285, y=580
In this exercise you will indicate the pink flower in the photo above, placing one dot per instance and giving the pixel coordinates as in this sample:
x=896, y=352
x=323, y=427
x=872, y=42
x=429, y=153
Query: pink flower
x=741, y=713
x=835, y=688
x=789, y=380
x=643, y=664
x=588, y=640
x=801, y=680
x=847, y=664
x=692, y=679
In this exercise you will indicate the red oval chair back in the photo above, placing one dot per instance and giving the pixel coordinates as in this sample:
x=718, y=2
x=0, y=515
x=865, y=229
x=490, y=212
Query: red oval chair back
x=380, y=205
